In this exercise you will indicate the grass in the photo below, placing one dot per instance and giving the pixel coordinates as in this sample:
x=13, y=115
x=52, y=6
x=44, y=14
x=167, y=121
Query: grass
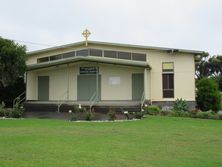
x=153, y=141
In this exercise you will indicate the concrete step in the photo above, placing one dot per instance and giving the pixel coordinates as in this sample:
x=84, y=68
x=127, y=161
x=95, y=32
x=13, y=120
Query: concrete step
x=100, y=107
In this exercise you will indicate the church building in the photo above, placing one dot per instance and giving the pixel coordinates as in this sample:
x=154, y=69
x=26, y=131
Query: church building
x=95, y=73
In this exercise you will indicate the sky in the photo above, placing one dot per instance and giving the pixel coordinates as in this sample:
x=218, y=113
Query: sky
x=185, y=24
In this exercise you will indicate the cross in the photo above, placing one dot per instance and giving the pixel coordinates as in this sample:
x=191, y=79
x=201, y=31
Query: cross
x=86, y=33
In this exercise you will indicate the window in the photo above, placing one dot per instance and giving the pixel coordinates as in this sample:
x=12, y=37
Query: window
x=168, y=80
x=110, y=54
x=69, y=54
x=44, y=59
x=168, y=85
x=56, y=57
x=124, y=55
x=168, y=67
x=139, y=57
x=84, y=52
x=95, y=52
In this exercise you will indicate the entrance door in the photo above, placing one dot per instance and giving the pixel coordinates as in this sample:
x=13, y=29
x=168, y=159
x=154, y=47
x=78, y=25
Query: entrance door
x=137, y=86
x=43, y=88
x=86, y=87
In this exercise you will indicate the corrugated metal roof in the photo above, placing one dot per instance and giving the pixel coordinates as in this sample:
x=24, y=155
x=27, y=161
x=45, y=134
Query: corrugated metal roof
x=115, y=44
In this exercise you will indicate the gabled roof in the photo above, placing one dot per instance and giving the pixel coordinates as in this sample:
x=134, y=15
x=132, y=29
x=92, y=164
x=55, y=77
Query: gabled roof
x=89, y=59
x=195, y=52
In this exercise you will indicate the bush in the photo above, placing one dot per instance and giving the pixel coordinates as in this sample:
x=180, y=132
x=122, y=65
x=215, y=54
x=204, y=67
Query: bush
x=73, y=116
x=88, y=116
x=2, y=109
x=165, y=112
x=214, y=116
x=152, y=110
x=180, y=105
x=204, y=115
x=139, y=115
x=193, y=113
x=208, y=95
x=17, y=111
x=112, y=115
x=78, y=109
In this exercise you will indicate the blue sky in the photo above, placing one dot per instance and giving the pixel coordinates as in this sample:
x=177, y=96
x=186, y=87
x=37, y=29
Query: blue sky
x=190, y=24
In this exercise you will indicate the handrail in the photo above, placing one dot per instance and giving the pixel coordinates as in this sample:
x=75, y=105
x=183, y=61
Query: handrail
x=93, y=100
x=60, y=101
x=142, y=100
x=18, y=99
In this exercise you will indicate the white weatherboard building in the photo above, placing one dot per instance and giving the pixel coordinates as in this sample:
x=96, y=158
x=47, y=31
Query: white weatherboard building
x=110, y=74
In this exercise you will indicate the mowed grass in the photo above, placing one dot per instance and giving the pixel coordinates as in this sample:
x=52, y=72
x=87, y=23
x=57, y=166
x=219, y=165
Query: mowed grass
x=153, y=141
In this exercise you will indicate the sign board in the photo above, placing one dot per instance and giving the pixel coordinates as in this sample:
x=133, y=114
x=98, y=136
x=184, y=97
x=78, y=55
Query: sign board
x=87, y=70
x=114, y=80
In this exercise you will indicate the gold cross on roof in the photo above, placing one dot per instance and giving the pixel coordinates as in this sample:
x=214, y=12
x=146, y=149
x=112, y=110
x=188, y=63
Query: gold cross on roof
x=86, y=33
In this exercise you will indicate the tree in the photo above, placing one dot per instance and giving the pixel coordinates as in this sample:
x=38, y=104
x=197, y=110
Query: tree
x=208, y=95
x=215, y=66
x=12, y=61
x=207, y=66
x=201, y=65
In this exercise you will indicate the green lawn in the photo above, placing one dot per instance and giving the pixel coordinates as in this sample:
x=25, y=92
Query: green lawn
x=153, y=141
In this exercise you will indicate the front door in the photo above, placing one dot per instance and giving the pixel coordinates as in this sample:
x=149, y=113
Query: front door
x=43, y=88
x=137, y=86
x=86, y=87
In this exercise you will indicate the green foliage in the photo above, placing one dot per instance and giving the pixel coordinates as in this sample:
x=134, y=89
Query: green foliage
x=139, y=115
x=214, y=116
x=178, y=113
x=218, y=80
x=2, y=109
x=152, y=110
x=17, y=111
x=112, y=115
x=76, y=113
x=12, y=61
x=208, y=95
x=180, y=105
x=88, y=116
x=193, y=113
x=10, y=92
x=204, y=115
x=165, y=112
x=208, y=66
x=77, y=109
x=73, y=116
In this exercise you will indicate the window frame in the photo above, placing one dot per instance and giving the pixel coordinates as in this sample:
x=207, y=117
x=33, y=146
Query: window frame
x=168, y=73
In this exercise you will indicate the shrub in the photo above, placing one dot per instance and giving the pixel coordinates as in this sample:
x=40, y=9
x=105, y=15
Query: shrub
x=193, y=113
x=139, y=115
x=176, y=113
x=219, y=116
x=204, y=115
x=112, y=115
x=165, y=112
x=214, y=116
x=152, y=110
x=73, y=116
x=208, y=95
x=180, y=105
x=17, y=111
x=2, y=109
x=78, y=109
x=89, y=116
